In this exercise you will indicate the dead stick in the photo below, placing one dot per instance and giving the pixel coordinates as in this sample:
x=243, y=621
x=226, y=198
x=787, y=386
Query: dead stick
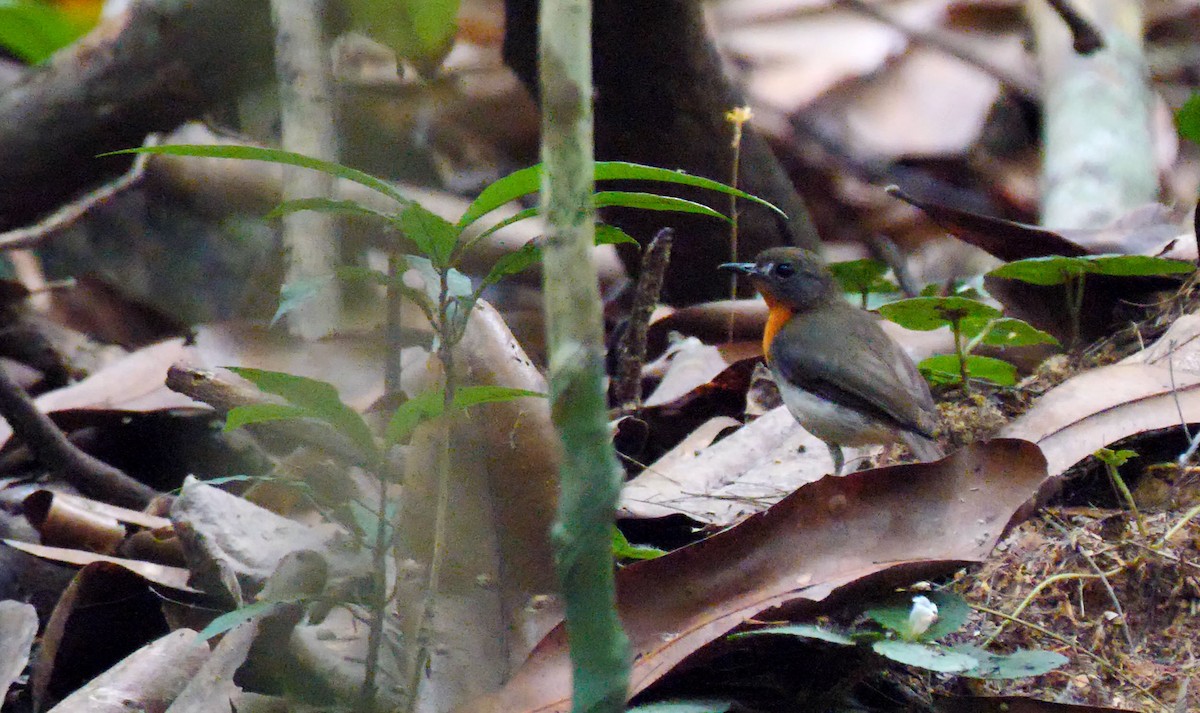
x=1085, y=38
x=631, y=354
x=92, y=476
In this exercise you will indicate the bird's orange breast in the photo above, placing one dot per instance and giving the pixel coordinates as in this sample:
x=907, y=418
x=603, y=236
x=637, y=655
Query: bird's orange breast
x=778, y=316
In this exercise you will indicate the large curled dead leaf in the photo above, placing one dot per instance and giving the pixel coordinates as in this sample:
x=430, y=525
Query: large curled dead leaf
x=825, y=536
x=1154, y=389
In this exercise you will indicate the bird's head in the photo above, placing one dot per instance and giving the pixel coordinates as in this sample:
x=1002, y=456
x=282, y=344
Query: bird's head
x=791, y=278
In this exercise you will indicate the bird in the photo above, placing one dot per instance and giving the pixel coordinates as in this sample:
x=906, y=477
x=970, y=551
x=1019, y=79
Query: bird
x=845, y=380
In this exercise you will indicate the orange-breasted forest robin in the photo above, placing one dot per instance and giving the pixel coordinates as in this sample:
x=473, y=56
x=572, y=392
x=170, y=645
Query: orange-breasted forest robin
x=839, y=374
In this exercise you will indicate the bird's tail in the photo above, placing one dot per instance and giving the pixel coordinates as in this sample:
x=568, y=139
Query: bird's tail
x=925, y=449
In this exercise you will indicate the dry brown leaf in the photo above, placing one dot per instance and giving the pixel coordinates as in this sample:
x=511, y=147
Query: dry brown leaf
x=61, y=523
x=148, y=679
x=1094, y=409
x=691, y=365
x=824, y=536
x=173, y=577
x=740, y=475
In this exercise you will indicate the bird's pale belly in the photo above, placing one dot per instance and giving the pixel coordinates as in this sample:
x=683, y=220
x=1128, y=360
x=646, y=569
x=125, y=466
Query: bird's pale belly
x=831, y=422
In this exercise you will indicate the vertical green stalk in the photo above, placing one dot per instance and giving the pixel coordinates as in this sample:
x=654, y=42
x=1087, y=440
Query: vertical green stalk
x=590, y=480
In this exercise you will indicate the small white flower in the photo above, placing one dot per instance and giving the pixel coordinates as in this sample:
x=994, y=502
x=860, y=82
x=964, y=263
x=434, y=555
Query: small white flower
x=922, y=616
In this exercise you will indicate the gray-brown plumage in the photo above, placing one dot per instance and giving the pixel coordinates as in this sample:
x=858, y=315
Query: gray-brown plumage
x=839, y=374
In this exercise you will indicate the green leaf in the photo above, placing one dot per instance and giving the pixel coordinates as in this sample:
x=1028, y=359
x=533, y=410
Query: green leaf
x=514, y=218
x=624, y=171
x=1050, y=270
x=1115, y=458
x=468, y=396
x=1139, y=265
x=612, y=235
x=1187, y=119
x=866, y=275
x=326, y=205
x=420, y=31
x=433, y=235
x=927, y=656
x=318, y=397
x=691, y=706
x=943, y=369
x=928, y=313
x=294, y=294
x=1008, y=332
x=528, y=180
x=34, y=30
x=239, y=416
x=228, y=620
x=423, y=407
x=289, y=158
x=1019, y=664
x=803, y=631
x=653, y=201
x=622, y=549
x=513, y=263
x=893, y=614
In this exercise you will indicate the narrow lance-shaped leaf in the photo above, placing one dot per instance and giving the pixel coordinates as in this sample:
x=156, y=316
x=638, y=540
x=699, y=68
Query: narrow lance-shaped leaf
x=433, y=235
x=528, y=180
x=258, y=153
x=327, y=205
x=653, y=201
x=318, y=397
x=423, y=407
x=239, y=416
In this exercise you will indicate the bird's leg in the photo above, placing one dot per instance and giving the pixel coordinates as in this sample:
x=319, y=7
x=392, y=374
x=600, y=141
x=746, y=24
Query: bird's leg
x=838, y=459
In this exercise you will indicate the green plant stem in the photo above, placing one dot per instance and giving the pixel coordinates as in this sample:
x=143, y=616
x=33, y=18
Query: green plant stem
x=368, y=694
x=446, y=341
x=956, y=327
x=590, y=480
x=1119, y=483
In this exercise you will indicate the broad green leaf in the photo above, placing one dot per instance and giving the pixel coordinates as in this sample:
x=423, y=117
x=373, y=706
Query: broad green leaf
x=927, y=313
x=866, y=275
x=1051, y=270
x=1008, y=332
x=318, y=397
x=1187, y=119
x=696, y=706
x=528, y=180
x=228, y=620
x=239, y=416
x=612, y=235
x=893, y=614
x=1019, y=664
x=34, y=30
x=257, y=153
x=420, y=31
x=943, y=369
x=434, y=236
x=804, y=631
x=653, y=201
x=513, y=263
x=423, y=407
x=468, y=396
x=326, y=205
x=1139, y=265
x=926, y=656
x=622, y=549
x=294, y=294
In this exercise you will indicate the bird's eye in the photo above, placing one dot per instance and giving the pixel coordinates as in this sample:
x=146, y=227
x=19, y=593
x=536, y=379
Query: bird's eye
x=785, y=270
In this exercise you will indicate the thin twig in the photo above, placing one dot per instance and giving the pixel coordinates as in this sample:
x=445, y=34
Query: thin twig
x=1112, y=594
x=32, y=235
x=631, y=353
x=92, y=476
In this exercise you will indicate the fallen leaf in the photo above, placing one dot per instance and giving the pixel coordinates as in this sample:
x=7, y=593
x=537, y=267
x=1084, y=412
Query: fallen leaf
x=825, y=536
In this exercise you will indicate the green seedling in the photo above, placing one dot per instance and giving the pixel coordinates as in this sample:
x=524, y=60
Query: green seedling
x=973, y=323
x=864, y=278
x=1112, y=461
x=1071, y=273
x=907, y=630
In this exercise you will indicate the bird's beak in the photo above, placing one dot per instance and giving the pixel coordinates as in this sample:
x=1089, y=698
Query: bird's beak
x=746, y=268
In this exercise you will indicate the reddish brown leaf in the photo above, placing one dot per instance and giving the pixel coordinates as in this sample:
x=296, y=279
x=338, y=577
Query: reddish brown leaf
x=823, y=537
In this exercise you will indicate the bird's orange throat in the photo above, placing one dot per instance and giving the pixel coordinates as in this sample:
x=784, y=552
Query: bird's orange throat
x=778, y=316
